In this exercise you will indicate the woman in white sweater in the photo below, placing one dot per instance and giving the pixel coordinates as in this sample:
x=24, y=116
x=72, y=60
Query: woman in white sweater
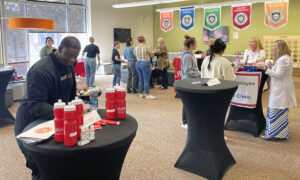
x=282, y=93
x=216, y=66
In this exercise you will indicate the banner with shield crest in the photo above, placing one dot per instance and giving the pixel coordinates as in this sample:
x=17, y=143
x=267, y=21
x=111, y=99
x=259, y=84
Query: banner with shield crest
x=187, y=15
x=166, y=21
x=212, y=18
x=276, y=14
x=241, y=16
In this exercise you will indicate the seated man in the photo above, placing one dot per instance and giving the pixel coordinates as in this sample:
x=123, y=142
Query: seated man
x=48, y=80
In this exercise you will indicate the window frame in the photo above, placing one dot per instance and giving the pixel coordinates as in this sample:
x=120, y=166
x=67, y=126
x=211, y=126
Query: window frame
x=66, y=4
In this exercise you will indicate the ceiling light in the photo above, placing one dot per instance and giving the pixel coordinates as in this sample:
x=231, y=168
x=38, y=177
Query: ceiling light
x=30, y=23
x=145, y=3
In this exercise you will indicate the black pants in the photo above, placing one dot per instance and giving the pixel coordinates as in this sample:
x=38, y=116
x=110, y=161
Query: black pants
x=184, y=116
x=22, y=120
x=164, y=74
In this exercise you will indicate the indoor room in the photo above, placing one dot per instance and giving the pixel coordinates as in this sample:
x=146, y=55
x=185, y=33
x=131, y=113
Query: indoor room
x=149, y=89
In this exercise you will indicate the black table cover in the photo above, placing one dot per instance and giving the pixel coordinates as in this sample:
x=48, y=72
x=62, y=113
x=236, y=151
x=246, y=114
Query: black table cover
x=205, y=152
x=100, y=159
x=5, y=116
x=250, y=120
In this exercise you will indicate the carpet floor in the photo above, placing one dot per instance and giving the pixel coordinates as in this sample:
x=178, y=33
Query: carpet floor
x=160, y=140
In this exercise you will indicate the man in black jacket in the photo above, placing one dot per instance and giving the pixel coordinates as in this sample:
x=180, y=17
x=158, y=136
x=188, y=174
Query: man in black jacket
x=48, y=80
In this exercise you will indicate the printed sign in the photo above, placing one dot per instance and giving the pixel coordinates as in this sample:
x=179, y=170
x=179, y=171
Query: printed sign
x=166, y=21
x=276, y=14
x=187, y=18
x=241, y=16
x=212, y=18
x=248, y=87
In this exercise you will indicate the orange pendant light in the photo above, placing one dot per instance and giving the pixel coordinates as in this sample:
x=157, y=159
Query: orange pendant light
x=30, y=23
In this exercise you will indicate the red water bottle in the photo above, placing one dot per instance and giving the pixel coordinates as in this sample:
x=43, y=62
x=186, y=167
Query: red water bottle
x=59, y=121
x=121, y=103
x=110, y=108
x=70, y=126
x=78, y=103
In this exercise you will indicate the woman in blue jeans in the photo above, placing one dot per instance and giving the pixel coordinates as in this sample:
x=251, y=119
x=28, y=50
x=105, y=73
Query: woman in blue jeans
x=143, y=67
x=116, y=63
x=90, y=63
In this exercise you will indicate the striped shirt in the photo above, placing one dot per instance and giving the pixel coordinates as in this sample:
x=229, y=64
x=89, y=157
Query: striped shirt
x=142, y=53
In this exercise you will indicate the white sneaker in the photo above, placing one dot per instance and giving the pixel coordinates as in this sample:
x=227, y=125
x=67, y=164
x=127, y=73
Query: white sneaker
x=150, y=97
x=142, y=95
x=225, y=138
x=185, y=126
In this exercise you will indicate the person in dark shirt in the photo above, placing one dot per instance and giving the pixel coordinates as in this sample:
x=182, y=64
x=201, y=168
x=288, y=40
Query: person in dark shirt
x=90, y=63
x=48, y=80
x=116, y=63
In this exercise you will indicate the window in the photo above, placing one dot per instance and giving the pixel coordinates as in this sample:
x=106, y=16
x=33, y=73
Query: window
x=37, y=41
x=16, y=39
x=75, y=16
x=57, y=13
x=23, y=46
x=81, y=2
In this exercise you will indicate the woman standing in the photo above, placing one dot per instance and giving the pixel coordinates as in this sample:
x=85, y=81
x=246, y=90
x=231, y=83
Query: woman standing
x=216, y=66
x=132, y=74
x=116, y=63
x=282, y=93
x=255, y=53
x=90, y=63
x=189, y=67
x=143, y=55
x=162, y=62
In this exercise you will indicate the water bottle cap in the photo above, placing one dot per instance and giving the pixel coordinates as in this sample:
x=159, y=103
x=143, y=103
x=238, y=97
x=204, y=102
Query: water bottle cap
x=77, y=101
x=121, y=89
x=59, y=104
x=70, y=107
x=110, y=90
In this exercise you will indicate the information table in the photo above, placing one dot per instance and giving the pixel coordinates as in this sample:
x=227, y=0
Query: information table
x=100, y=159
x=205, y=152
x=248, y=117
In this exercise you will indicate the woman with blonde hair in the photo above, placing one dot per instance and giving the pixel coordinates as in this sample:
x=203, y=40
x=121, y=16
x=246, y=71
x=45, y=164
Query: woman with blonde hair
x=255, y=53
x=143, y=55
x=282, y=93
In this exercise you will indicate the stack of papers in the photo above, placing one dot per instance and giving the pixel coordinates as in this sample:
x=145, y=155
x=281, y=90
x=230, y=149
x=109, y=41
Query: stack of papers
x=38, y=133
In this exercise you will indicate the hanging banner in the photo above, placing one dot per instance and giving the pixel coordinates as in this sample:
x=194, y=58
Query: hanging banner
x=166, y=21
x=241, y=16
x=212, y=18
x=276, y=14
x=187, y=18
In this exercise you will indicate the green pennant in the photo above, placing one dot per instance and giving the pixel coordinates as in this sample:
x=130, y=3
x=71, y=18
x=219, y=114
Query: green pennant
x=212, y=18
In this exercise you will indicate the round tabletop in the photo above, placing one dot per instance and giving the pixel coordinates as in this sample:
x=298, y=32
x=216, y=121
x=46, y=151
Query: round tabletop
x=188, y=86
x=111, y=136
x=6, y=68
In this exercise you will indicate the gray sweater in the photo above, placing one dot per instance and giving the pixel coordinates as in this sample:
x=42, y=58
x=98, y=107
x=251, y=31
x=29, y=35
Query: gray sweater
x=189, y=67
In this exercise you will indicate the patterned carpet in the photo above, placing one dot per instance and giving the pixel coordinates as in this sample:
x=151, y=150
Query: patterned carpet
x=160, y=140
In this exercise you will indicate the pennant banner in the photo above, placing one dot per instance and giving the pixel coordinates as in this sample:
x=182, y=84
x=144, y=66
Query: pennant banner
x=187, y=18
x=276, y=14
x=212, y=18
x=166, y=21
x=241, y=16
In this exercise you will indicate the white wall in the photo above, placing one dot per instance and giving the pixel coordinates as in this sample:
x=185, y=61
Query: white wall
x=104, y=18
